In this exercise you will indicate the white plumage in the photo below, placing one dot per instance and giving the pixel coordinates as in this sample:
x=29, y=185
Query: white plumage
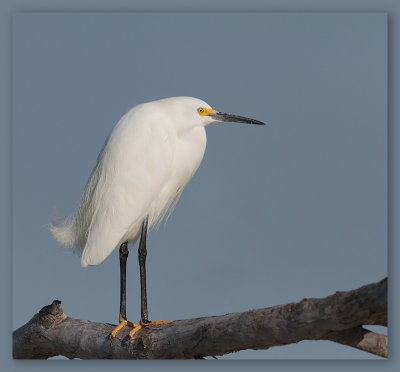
x=144, y=165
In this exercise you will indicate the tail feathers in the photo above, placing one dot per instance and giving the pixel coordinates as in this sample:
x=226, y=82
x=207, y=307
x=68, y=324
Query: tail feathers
x=66, y=233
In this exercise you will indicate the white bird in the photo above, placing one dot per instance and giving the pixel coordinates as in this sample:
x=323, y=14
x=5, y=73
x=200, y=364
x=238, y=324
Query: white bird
x=140, y=173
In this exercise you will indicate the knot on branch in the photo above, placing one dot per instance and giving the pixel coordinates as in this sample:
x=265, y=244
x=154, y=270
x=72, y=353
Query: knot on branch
x=51, y=315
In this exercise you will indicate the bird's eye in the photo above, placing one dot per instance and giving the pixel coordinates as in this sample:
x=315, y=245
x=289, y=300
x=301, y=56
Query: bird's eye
x=202, y=111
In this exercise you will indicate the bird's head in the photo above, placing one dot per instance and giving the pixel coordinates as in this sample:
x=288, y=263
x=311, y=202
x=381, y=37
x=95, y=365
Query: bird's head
x=199, y=113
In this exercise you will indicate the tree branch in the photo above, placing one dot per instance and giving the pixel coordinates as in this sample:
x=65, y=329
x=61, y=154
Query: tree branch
x=337, y=318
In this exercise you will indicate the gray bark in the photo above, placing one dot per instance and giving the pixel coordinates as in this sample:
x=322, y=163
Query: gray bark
x=337, y=318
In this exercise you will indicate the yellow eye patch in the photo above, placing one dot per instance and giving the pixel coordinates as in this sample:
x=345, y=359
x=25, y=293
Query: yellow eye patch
x=205, y=111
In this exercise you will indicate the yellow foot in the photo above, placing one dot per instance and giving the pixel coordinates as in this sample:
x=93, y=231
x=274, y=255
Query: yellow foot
x=122, y=323
x=142, y=325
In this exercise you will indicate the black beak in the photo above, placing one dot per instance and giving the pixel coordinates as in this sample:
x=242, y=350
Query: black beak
x=221, y=116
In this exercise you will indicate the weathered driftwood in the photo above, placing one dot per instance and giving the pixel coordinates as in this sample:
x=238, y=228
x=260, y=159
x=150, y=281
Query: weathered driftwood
x=338, y=318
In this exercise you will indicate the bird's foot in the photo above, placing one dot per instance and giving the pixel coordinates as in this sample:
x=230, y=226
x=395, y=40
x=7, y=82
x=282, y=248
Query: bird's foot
x=122, y=323
x=142, y=325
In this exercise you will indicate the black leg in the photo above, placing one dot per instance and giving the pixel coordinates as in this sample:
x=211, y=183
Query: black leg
x=142, y=252
x=123, y=256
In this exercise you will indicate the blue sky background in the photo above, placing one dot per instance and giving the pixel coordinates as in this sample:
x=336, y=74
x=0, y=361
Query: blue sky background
x=274, y=214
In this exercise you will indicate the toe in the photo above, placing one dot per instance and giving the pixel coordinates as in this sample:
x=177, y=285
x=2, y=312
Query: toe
x=134, y=330
x=118, y=328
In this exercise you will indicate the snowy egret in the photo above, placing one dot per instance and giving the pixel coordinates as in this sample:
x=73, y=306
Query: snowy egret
x=142, y=169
